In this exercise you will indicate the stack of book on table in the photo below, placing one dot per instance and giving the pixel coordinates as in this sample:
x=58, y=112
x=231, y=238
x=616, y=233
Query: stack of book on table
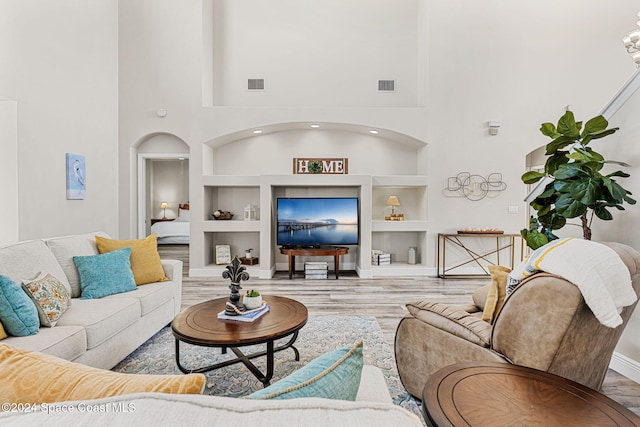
x=380, y=258
x=316, y=270
x=250, y=316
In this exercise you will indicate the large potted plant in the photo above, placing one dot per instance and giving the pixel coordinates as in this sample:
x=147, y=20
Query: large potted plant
x=573, y=185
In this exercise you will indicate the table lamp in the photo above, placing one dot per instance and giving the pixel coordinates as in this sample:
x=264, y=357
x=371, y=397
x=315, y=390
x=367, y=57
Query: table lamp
x=393, y=202
x=164, y=206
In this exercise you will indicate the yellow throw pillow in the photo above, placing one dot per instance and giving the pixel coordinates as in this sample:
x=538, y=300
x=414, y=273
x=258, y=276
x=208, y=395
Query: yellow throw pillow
x=32, y=377
x=145, y=259
x=3, y=334
x=497, y=292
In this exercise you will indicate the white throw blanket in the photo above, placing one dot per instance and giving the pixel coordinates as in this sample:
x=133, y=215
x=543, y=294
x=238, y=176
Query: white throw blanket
x=596, y=269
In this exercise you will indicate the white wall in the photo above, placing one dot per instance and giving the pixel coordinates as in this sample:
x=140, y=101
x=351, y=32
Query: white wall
x=59, y=63
x=9, y=219
x=519, y=63
x=310, y=52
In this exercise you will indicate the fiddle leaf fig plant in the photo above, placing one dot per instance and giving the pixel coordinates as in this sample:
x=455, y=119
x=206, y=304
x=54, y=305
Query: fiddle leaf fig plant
x=574, y=186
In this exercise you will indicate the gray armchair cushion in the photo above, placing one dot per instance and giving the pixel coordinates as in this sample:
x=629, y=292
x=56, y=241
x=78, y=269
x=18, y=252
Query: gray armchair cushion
x=453, y=320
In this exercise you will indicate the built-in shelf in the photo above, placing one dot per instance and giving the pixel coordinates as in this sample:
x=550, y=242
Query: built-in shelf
x=397, y=226
x=234, y=192
x=229, y=226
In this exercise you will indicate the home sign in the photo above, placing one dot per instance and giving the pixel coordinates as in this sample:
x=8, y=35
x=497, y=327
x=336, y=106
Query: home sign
x=334, y=166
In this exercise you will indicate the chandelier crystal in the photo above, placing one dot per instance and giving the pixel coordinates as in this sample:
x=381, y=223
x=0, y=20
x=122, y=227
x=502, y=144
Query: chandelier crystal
x=632, y=43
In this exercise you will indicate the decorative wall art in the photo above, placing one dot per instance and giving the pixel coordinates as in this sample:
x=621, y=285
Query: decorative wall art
x=331, y=166
x=474, y=187
x=76, y=174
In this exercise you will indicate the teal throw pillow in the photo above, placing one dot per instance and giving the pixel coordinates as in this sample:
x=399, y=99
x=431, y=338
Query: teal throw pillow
x=334, y=375
x=18, y=314
x=105, y=274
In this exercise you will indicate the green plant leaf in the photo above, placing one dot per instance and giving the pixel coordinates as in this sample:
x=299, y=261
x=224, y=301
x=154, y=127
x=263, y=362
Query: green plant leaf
x=552, y=220
x=561, y=186
x=532, y=177
x=568, y=207
x=549, y=129
x=534, y=238
x=558, y=143
x=586, y=191
x=617, y=192
x=619, y=173
x=602, y=213
x=553, y=162
x=567, y=125
x=596, y=124
x=568, y=171
x=629, y=199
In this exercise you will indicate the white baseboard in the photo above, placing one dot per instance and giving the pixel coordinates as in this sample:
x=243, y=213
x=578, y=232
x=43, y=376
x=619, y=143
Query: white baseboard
x=625, y=366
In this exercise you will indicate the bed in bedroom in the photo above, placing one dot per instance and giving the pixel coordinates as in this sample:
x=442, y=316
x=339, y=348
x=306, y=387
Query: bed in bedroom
x=174, y=232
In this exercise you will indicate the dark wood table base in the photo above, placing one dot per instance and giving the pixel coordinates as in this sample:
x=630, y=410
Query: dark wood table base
x=265, y=379
x=500, y=394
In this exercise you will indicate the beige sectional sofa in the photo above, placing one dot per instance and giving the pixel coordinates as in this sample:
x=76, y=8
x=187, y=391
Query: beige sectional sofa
x=95, y=332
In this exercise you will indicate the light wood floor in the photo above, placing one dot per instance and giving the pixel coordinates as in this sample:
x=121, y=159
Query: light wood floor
x=382, y=298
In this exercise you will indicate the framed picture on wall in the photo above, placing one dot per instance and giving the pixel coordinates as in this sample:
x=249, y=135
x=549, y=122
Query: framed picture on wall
x=223, y=254
x=76, y=173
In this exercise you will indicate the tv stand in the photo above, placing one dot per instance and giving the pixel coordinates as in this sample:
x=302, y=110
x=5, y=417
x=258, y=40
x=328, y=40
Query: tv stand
x=293, y=251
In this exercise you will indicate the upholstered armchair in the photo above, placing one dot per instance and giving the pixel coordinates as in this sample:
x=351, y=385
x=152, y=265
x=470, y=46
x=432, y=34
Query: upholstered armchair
x=544, y=324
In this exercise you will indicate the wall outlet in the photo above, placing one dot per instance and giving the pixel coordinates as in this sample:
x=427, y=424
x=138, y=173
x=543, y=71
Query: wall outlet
x=513, y=209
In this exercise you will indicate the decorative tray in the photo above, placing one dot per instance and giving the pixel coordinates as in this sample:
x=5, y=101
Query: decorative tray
x=483, y=231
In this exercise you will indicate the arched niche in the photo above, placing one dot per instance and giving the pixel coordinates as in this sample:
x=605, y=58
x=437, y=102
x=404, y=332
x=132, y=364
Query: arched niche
x=269, y=149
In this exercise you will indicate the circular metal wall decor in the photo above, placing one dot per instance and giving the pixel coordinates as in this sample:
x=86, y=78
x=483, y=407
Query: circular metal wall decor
x=474, y=187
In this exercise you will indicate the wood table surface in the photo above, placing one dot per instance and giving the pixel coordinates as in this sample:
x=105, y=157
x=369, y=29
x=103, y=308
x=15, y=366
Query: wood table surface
x=500, y=394
x=200, y=325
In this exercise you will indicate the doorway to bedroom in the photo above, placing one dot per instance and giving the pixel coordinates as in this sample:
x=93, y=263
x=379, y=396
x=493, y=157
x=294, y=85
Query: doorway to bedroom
x=163, y=205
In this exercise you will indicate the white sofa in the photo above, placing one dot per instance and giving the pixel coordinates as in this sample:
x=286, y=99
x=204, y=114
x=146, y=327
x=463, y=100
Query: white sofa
x=95, y=332
x=372, y=408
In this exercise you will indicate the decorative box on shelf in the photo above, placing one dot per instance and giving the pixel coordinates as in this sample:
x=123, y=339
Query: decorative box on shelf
x=316, y=270
x=394, y=217
x=249, y=261
x=380, y=258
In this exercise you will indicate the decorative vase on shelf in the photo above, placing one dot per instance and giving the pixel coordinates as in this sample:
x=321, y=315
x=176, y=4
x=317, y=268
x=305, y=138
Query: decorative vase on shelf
x=411, y=259
x=250, y=213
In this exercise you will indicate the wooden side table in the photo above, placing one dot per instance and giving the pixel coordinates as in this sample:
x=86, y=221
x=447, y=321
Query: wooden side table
x=500, y=394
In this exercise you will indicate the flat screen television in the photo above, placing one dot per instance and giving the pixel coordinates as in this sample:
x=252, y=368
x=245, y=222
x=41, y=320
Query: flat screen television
x=317, y=221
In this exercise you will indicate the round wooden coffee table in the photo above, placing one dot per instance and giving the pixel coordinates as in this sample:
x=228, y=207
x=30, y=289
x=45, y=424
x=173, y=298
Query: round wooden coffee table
x=199, y=325
x=500, y=394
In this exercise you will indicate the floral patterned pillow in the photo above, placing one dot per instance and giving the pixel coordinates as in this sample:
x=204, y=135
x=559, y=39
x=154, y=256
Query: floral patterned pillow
x=50, y=297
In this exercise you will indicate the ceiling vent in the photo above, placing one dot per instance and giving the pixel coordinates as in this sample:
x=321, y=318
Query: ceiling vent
x=255, y=84
x=386, y=85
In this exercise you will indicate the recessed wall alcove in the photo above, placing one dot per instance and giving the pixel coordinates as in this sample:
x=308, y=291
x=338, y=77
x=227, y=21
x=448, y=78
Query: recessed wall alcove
x=257, y=168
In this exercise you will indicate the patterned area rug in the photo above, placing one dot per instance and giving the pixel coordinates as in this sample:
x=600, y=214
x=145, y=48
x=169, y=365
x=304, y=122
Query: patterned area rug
x=320, y=335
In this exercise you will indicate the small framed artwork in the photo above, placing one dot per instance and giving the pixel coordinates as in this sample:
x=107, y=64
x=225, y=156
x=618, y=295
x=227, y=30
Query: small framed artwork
x=223, y=254
x=76, y=173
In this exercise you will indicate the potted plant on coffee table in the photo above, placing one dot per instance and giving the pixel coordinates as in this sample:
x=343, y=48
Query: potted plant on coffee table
x=252, y=299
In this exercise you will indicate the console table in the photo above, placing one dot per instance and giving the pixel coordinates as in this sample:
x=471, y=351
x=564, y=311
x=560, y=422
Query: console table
x=503, y=242
x=334, y=251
